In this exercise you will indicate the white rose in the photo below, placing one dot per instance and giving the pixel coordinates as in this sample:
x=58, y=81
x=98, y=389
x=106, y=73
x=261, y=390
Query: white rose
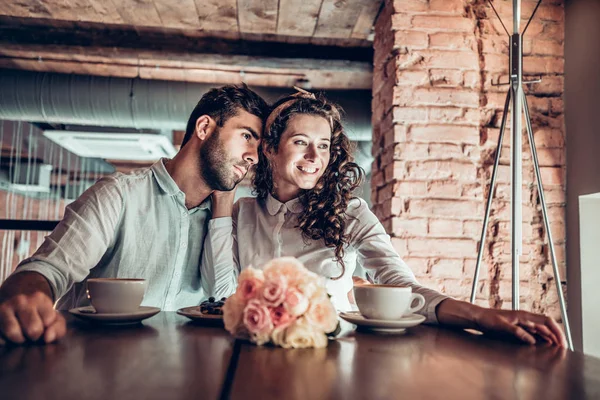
x=288, y=267
x=303, y=335
x=260, y=338
x=322, y=314
x=278, y=337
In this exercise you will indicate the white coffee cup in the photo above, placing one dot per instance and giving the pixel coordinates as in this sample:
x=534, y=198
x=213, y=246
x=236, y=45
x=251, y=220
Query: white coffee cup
x=116, y=296
x=386, y=302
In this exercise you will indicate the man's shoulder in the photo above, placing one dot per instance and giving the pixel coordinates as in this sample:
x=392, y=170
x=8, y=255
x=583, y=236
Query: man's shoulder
x=133, y=177
x=118, y=184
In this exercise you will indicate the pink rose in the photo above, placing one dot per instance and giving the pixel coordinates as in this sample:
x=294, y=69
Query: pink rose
x=322, y=314
x=233, y=310
x=257, y=318
x=280, y=317
x=273, y=291
x=250, y=283
x=295, y=302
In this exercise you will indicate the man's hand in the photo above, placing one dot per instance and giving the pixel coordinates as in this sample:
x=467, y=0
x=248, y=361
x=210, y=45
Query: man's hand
x=521, y=325
x=27, y=312
x=222, y=203
x=31, y=318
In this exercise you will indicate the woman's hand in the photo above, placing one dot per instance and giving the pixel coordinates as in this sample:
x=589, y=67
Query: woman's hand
x=522, y=325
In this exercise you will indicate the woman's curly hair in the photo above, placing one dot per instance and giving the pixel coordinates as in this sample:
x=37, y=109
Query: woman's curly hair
x=324, y=207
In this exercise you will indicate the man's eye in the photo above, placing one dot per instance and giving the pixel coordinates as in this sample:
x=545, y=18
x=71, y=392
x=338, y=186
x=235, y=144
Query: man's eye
x=247, y=136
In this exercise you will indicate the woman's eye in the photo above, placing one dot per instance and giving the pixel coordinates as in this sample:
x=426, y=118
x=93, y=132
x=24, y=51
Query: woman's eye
x=247, y=136
x=324, y=146
x=300, y=142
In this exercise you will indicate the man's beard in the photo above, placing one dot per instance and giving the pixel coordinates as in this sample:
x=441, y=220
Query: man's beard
x=216, y=166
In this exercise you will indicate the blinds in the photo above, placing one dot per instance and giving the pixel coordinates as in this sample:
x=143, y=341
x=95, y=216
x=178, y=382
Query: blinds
x=38, y=179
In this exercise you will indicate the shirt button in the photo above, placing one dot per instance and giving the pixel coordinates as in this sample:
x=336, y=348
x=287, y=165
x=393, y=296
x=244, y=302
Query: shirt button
x=183, y=245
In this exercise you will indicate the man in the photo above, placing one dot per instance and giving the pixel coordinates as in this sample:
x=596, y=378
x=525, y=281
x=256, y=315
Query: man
x=150, y=223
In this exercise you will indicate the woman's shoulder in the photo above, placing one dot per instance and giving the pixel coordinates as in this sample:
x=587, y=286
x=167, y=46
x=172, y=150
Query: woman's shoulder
x=356, y=207
x=359, y=216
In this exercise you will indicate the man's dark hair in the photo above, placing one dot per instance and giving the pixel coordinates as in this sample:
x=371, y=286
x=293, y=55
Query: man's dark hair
x=223, y=103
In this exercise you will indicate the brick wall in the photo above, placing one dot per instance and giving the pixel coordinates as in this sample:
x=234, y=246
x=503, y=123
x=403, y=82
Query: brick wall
x=436, y=119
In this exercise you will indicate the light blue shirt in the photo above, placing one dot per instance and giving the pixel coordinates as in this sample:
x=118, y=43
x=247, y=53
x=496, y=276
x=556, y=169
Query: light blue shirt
x=132, y=225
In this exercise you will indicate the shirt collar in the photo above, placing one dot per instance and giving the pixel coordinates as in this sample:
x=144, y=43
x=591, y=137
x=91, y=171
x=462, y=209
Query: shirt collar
x=274, y=206
x=168, y=185
x=165, y=181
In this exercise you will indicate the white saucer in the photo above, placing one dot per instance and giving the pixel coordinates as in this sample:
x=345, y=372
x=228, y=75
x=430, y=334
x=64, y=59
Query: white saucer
x=194, y=314
x=384, y=326
x=89, y=314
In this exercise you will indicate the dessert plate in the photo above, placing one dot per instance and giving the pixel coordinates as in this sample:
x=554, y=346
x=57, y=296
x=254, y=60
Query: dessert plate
x=195, y=315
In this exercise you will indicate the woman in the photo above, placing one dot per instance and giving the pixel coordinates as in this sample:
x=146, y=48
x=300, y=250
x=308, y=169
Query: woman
x=305, y=208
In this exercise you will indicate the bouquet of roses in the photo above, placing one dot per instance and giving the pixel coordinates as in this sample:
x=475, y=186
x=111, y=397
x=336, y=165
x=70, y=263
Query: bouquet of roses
x=284, y=303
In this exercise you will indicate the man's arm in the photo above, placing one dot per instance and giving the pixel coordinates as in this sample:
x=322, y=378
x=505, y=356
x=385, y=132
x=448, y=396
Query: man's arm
x=26, y=283
x=26, y=310
x=218, y=272
x=66, y=256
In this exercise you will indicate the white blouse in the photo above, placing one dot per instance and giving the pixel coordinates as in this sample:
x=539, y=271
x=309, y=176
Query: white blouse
x=259, y=232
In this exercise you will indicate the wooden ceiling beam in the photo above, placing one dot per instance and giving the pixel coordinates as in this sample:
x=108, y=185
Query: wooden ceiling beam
x=15, y=30
x=167, y=54
x=200, y=68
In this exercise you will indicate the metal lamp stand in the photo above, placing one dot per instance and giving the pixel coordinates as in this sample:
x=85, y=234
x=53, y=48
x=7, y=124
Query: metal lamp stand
x=515, y=98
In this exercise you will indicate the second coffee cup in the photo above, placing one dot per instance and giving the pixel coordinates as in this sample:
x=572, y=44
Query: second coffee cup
x=386, y=302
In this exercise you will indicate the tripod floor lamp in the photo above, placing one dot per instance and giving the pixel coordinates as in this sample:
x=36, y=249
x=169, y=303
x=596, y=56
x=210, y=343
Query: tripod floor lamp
x=516, y=100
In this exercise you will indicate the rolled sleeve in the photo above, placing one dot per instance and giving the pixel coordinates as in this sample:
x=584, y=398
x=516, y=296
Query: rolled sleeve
x=56, y=279
x=79, y=241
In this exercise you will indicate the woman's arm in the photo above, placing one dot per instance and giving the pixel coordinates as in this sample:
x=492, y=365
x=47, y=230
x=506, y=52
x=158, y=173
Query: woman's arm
x=383, y=263
x=66, y=256
x=521, y=325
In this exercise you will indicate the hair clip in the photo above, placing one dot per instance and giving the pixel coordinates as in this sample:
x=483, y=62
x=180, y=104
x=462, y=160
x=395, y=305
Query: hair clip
x=303, y=93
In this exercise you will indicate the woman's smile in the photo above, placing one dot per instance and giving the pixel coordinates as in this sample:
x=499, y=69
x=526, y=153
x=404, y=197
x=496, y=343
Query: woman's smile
x=302, y=156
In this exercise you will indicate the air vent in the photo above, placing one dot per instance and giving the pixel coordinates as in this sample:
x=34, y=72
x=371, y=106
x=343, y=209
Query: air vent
x=114, y=146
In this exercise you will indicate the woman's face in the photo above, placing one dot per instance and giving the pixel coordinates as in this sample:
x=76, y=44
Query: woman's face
x=302, y=156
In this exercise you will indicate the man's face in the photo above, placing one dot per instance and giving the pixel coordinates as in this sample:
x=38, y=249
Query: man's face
x=230, y=151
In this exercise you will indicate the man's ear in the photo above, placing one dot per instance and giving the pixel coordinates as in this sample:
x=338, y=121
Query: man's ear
x=204, y=126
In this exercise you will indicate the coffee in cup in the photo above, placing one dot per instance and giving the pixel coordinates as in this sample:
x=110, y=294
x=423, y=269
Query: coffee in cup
x=386, y=302
x=116, y=296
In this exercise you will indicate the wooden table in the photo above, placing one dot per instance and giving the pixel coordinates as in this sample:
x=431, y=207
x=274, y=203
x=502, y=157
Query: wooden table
x=168, y=357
